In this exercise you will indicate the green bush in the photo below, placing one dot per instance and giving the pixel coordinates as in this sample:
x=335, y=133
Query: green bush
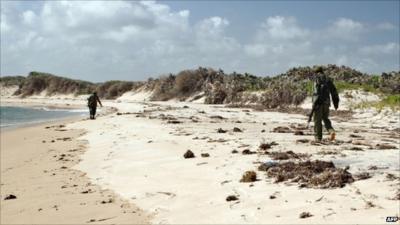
x=12, y=80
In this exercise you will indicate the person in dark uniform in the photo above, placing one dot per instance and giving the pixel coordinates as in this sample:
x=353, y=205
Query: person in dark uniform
x=92, y=104
x=324, y=90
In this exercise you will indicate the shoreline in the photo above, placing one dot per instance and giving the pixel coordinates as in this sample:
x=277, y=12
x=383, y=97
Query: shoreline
x=51, y=189
x=40, y=123
x=30, y=103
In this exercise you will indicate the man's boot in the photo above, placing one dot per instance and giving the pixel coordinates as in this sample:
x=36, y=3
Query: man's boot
x=332, y=136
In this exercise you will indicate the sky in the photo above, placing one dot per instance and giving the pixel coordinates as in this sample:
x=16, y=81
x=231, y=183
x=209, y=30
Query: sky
x=135, y=40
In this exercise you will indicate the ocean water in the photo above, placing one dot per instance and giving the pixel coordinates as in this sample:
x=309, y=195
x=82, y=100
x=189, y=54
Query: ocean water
x=21, y=116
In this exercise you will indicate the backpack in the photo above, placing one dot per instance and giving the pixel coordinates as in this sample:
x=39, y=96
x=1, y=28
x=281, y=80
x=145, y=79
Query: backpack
x=92, y=101
x=322, y=89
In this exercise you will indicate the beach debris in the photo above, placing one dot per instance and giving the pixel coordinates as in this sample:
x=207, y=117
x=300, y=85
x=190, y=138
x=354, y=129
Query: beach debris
x=236, y=129
x=56, y=126
x=314, y=174
x=328, y=152
x=264, y=146
x=220, y=130
x=304, y=215
x=205, y=155
x=87, y=191
x=298, y=126
x=61, y=130
x=264, y=123
x=10, y=196
x=369, y=204
x=282, y=129
x=64, y=139
x=109, y=201
x=170, y=194
x=355, y=148
x=385, y=146
x=244, y=146
x=185, y=107
x=225, y=182
x=248, y=152
x=272, y=197
x=249, y=176
x=355, y=136
x=302, y=141
x=234, y=151
x=319, y=199
x=220, y=140
x=188, y=154
x=396, y=196
x=286, y=155
x=267, y=145
x=217, y=117
x=373, y=167
x=265, y=166
x=263, y=131
x=298, y=132
x=391, y=177
x=362, y=176
x=62, y=157
x=174, y=121
x=231, y=198
x=357, y=142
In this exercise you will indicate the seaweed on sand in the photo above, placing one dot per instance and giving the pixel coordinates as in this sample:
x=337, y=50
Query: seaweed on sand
x=312, y=174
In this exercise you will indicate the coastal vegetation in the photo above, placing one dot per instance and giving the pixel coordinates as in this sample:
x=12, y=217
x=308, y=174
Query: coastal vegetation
x=217, y=87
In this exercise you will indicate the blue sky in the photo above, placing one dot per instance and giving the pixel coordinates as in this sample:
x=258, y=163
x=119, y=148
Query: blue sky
x=133, y=40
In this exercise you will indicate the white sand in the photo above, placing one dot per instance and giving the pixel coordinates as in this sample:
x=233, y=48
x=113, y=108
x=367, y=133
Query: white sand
x=136, y=96
x=141, y=158
x=7, y=91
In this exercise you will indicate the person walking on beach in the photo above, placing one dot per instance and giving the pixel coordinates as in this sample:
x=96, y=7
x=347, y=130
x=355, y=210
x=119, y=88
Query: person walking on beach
x=92, y=104
x=323, y=90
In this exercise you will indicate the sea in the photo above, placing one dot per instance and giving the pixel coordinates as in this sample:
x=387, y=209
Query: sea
x=12, y=117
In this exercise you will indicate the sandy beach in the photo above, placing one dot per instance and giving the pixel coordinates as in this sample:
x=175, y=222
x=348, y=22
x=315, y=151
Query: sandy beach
x=36, y=167
x=135, y=156
x=199, y=112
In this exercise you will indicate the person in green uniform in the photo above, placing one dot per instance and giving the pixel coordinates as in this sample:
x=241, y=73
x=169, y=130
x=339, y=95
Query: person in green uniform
x=324, y=90
x=92, y=104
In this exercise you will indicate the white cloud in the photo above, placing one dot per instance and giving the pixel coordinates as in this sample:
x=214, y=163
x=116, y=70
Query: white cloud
x=4, y=25
x=347, y=24
x=102, y=40
x=388, y=48
x=279, y=27
x=276, y=36
x=386, y=26
x=28, y=17
x=345, y=28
